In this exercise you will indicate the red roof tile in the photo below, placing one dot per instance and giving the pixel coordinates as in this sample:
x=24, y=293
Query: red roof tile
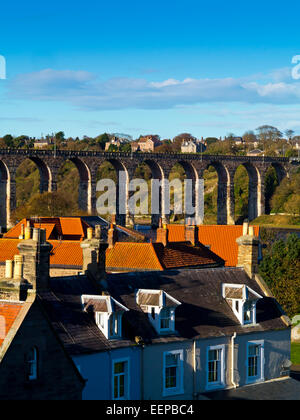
x=148, y=256
x=8, y=314
x=220, y=238
x=64, y=253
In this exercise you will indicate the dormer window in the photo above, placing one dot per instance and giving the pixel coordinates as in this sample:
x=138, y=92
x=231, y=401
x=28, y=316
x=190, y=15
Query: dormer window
x=242, y=300
x=249, y=312
x=108, y=314
x=115, y=325
x=160, y=307
x=165, y=319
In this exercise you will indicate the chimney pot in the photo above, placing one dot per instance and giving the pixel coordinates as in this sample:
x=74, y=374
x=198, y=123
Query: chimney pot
x=90, y=233
x=27, y=233
x=9, y=269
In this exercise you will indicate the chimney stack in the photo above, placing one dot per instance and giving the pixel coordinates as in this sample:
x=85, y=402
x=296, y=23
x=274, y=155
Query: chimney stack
x=192, y=234
x=94, y=258
x=162, y=234
x=112, y=236
x=248, y=250
x=35, y=252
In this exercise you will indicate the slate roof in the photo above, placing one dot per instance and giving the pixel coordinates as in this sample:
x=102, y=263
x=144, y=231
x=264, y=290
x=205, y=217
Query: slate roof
x=281, y=389
x=76, y=328
x=203, y=312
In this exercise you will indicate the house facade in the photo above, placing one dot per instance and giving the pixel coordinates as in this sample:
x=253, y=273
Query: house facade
x=34, y=365
x=175, y=334
x=144, y=335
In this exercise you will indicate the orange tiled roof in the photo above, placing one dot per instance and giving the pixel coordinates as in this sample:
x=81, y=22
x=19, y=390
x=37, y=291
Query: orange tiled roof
x=64, y=226
x=8, y=314
x=65, y=253
x=220, y=238
x=71, y=226
x=48, y=227
x=132, y=255
x=148, y=256
x=15, y=232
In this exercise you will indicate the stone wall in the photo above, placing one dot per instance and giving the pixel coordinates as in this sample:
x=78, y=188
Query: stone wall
x=54, y=272
x=57, y=377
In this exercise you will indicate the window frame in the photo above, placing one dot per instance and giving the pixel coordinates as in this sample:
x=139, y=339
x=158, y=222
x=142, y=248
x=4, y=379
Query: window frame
x=126, y=380
x=32, y=365
x=169, y=318
x=260, y=377
x=115, y=320
x=179, y=389
x=221, y=380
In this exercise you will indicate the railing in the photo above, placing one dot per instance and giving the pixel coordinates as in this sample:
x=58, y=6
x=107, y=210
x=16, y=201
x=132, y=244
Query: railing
x=138, y=155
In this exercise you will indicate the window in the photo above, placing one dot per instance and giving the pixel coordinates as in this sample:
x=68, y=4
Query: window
x=173, y=373
x=215, y=366
x=100, y=319
x=153, y=313
x=248, y=313
x=120, y=380
x=165, y=319
x=32, y=364
x=255, y=362
x=114, y=327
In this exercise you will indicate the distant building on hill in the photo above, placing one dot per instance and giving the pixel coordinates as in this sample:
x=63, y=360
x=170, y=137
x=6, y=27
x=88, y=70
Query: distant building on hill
x=146, y=143
x=43, y=143
x=191, y=146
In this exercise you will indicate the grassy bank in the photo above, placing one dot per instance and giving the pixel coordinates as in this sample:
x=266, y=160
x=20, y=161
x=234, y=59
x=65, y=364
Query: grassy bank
x=278, y=221
x=295, y=353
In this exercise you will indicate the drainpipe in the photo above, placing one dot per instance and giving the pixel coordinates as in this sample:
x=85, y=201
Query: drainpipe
x=232, y=360
x=142, y=371
x=194, y=369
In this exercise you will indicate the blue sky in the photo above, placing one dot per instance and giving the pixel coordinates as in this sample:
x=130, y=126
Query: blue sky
x=139, y=67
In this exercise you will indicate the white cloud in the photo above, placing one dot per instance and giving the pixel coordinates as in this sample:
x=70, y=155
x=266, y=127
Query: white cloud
x=85, y=90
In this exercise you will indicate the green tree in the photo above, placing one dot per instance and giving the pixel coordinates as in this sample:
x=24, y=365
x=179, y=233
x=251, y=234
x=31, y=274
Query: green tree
x=280, y=268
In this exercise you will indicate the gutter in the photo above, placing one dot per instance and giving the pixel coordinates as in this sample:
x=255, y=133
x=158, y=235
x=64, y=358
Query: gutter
x=232, y=360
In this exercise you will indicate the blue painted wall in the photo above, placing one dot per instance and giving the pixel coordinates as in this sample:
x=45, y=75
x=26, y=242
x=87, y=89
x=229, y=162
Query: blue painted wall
x=97, y=369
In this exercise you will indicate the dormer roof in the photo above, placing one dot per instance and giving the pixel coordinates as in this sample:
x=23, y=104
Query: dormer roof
x=105, y=304
x=239, y=292
x=157, y=298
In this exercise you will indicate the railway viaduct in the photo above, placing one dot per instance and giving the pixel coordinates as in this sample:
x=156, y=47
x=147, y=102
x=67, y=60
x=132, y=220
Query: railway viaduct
x=87, y=162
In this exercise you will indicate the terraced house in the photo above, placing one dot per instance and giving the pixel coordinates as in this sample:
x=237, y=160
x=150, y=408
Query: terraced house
x=169, y=334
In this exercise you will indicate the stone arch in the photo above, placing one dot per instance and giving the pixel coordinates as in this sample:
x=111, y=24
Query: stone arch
x=45, y=173
x=225, y=192
x=19, y=194
x=84, y=189
x=191, y=174
x=84, y=180
x=272, y=180
x=158, y=173
x=122, y=181
x=254, y=190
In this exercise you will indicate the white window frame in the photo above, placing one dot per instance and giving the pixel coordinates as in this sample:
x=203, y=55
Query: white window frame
x=252, y=311
x=117, y=319
x=170, y=318
x=179, y=374
x=126, y=382
x=261, y=362
x=221, y=381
